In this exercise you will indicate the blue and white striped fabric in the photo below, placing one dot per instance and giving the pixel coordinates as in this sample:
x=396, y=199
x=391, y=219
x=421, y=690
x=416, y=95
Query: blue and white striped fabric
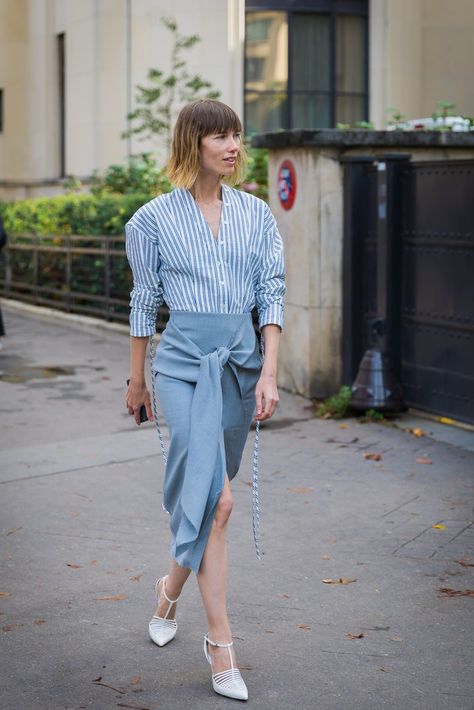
x=176, y=260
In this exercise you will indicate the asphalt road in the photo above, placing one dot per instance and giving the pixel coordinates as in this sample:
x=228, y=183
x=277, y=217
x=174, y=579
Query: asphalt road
x=84, y=537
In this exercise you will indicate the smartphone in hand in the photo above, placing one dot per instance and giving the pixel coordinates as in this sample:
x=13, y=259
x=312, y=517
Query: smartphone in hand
x=143, y=414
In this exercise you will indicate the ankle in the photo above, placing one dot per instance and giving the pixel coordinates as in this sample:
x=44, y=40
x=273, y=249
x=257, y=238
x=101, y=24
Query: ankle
x=219, y=634
x=172, y=592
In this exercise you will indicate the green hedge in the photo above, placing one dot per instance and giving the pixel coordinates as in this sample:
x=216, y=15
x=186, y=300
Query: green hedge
x=71, y=214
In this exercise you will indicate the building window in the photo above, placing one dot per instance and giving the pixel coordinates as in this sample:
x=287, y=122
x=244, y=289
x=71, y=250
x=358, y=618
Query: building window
x=1, y=110
x=305, y=63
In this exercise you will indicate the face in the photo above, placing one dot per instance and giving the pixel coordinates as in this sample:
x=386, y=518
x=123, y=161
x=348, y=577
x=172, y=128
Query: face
x=219, y=153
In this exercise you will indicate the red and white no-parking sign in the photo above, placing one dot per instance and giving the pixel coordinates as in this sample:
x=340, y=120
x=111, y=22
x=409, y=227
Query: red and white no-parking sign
x=286, y=184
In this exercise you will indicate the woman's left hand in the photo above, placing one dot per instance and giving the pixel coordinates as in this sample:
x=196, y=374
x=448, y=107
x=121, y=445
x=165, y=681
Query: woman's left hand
x=266, y=397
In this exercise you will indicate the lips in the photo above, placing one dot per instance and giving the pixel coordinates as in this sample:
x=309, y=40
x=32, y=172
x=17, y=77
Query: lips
x=229, y=160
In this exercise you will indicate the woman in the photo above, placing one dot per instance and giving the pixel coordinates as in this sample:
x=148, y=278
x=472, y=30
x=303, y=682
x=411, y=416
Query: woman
x=210, y=252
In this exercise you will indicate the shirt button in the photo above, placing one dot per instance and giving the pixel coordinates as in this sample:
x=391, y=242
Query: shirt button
x=222, y=283
x=221, y=241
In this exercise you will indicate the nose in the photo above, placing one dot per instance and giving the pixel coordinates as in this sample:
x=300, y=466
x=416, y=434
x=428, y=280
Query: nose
x=233, y=143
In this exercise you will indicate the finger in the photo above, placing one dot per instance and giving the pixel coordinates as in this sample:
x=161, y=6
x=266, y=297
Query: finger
x=258, y=401
x=270, y=406
x=149, y=410
x=136, y=414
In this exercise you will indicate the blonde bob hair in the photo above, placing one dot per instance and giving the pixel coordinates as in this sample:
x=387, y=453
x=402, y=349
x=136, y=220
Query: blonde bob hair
x=197, y=120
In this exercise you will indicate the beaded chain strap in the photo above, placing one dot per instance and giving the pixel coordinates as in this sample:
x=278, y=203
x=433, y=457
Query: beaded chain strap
x=255, y=496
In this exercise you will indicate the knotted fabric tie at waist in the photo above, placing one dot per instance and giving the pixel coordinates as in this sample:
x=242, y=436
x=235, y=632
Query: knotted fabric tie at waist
x=179, y=357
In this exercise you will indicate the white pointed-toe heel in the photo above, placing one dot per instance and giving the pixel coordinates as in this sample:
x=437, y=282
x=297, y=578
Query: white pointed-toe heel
x=230, y=682
x=161, y=629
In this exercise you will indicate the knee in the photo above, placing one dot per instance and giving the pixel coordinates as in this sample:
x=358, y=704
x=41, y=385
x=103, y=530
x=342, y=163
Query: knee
x=223, y=510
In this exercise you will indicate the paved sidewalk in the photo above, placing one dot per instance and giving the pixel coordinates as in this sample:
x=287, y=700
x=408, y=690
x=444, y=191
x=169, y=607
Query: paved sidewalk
x=84, y=538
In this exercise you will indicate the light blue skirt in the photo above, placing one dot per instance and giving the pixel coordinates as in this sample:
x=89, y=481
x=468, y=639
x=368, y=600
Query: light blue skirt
x=205, y=371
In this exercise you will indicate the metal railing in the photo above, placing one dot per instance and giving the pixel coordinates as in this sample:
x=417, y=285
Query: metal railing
x=74, y=273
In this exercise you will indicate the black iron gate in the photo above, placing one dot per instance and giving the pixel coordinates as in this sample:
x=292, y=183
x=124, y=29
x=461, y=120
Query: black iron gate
x=409, y=276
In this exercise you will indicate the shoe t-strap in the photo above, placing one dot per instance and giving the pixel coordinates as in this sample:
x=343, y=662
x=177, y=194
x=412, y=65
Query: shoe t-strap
x=171, y=601
x=220, y=645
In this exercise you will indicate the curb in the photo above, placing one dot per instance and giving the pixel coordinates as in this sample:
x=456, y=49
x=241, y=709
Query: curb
x=72, y=318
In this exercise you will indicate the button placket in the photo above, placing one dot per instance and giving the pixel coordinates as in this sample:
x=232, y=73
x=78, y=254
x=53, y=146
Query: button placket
x=220, y=260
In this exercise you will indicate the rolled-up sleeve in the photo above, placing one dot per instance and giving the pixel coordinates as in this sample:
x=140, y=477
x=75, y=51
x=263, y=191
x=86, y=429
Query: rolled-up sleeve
x=147, y=293
x=270, y=290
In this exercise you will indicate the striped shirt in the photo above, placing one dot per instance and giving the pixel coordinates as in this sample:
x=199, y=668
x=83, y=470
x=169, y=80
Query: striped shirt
x=175, y=259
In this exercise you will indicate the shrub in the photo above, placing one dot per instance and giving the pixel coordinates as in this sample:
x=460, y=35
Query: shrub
x=72, y=214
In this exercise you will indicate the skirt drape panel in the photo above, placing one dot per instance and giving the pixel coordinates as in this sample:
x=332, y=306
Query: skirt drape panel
x=205, y=370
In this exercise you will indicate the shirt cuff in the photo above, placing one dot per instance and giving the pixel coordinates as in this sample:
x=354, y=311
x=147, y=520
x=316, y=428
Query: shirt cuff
x=141, y=327
x=271, y=315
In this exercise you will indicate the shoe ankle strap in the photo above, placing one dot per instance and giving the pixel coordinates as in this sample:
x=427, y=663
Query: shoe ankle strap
x=171, y=601
x=221, y=645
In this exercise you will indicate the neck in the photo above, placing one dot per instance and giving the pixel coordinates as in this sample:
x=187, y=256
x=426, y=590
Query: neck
x=207, y=188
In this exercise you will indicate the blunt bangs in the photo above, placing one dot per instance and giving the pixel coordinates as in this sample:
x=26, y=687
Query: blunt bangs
x=195, y=121
x=213, y=117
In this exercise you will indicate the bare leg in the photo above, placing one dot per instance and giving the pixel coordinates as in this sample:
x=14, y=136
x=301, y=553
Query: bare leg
x=212, y=581
x=175, y=581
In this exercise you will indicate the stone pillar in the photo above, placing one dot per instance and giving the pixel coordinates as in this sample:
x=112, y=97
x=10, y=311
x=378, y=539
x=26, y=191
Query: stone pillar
x=312, y=231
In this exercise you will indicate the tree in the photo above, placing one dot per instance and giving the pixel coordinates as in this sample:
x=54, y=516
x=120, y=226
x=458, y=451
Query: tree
x=158, y=103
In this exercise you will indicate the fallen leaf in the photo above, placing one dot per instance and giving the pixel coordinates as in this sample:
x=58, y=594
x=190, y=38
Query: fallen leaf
x=439, y=526
x=326, y=557
x=372, y=457
x=68, y=564
x=355, y=636
x=382, y=669
x=14, y=530
x=301, y=489
x=423, y=460
x=304, y=626
x=39, y=622
x=447, y=592
x=343, y=426
x=11, y=627
x=464, y=562
x=267, y=631
x=5, y=594
x=395, y=638
x=417, y=432
x=136, y=578
x=341, y=580
x=111, y=598
x=135, y=680
x=93, y=562
x=285, y=596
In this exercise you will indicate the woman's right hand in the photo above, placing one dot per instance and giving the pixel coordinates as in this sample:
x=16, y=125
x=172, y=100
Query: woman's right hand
x=137, y=395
